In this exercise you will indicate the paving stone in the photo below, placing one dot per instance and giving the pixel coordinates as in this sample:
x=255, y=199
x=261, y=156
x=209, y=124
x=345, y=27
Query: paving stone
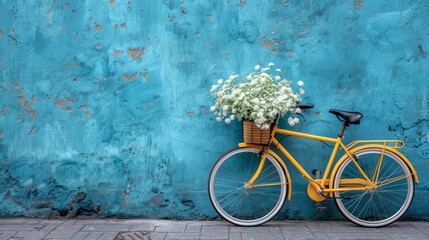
x=214, y=232
x=193, y=227
x=65, y=231
x=80, y=235
x=234, y=236
x=32, y=235
x=19, y=227
x=298, y=235
x=108, y=236
x=250, y=229
x=106, y=227
x=142, y=227
x=157, y=236
x=4, y=235
x=414, y=236
x=187, y=236
x=264, y=236
x=172, y=228
x=352, y=235
x=94, y=235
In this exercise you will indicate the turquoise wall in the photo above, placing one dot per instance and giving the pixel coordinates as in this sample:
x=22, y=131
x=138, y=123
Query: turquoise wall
x=104, y=106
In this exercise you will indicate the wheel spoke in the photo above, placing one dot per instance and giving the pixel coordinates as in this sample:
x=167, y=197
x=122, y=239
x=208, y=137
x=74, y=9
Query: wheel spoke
x=383, y=204
x=241, y=205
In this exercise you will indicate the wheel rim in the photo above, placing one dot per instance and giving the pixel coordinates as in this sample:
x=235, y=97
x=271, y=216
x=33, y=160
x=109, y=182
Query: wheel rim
x=384, y=204
x=238, y=204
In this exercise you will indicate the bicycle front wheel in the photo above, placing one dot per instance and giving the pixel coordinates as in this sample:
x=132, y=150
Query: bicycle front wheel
x=234, y=200
x=391, y=195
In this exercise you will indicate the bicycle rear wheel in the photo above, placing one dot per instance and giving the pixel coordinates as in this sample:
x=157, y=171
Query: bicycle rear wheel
x=385, y=203
x=237, y=203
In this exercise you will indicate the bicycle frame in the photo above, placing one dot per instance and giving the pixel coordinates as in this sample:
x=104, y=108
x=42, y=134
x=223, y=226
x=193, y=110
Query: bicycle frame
x=325, y=184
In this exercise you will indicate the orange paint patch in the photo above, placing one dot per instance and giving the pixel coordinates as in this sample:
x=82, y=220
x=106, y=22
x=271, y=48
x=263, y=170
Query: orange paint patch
x=60, y=104
x=127, y=77
x=112, y=2
x=267, y=44
x=275, y=51
x=32, y=113
x=88, y=115
x=69, y=109
x=136, y=53
x=99, y=27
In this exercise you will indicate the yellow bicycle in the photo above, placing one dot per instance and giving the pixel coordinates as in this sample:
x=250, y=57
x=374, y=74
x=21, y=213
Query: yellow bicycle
x=372, y=183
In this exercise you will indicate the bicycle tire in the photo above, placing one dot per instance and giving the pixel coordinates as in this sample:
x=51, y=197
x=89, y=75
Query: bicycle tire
x=229, y=196
x=388, y=201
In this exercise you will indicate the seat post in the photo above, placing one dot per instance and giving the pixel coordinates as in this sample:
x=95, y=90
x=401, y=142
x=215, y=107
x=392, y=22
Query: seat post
x=343, y=128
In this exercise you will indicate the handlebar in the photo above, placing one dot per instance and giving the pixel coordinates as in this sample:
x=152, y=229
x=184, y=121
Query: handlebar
x=305, y=105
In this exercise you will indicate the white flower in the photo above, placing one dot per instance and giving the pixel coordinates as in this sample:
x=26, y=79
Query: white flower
x=258, y=97
x=291, y=121
x=301, y=91
x=298, y=110
x=278, y=70
x=300, y=83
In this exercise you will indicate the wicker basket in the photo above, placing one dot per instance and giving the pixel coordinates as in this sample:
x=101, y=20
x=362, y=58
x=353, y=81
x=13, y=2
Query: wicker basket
x=253, y=134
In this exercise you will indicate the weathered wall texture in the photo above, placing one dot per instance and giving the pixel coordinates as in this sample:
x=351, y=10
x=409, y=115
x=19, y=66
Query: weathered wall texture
x=104, y=104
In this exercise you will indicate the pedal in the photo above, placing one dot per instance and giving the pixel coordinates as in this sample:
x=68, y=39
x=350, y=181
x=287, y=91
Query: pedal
x=321, y=207
x=317, y=173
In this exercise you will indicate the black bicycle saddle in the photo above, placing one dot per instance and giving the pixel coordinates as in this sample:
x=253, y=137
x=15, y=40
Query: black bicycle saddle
x=347, y=117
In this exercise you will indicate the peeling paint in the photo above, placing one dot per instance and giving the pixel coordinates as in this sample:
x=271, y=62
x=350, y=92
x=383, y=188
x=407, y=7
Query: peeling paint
x=60, y=104
x=102, y=101
x=127, y=77
x=136, y=53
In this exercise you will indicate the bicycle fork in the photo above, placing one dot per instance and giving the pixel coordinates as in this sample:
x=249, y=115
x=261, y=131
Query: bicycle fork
x=255, y=176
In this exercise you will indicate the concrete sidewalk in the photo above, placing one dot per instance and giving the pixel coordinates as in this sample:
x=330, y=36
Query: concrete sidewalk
x=105, y=229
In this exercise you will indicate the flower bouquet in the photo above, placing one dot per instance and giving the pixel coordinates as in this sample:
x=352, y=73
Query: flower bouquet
x=260, y=97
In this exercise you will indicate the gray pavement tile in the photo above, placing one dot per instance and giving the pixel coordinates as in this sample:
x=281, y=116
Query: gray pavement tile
x=80, y=235
x=142, y=227
x=320, y=236
x=172, y=228
x=193, y=227
x=414, y=236
x=20, y=227
x=4, y=235
x=157, y=236
x=234, y=236
x=250, y=229
x=187, y=236
x=13, y=221
x=110, y=227
x=94, y=236
x=108, y=236
x=214, y=232
x=65, y=231
x=298, y=235
x=32, y=235
x=265, y=236
x=394, y=236
x=354, y=236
